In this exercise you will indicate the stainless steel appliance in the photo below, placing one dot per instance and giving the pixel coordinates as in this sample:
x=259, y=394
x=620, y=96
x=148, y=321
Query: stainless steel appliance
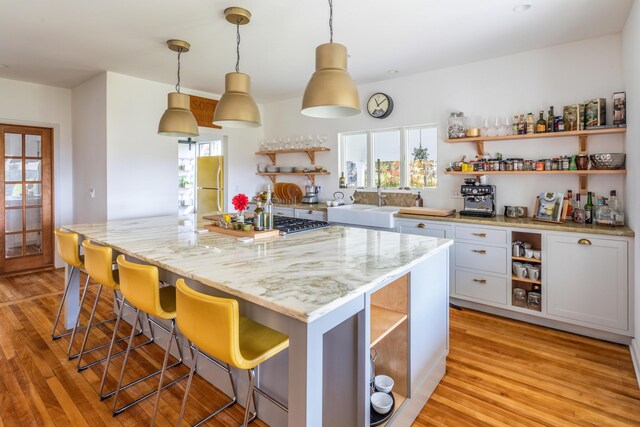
x=479, y=200
x=311, y=195
x=288, y=225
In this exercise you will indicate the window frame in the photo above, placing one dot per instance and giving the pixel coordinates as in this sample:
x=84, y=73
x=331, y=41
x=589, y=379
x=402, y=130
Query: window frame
x=405, y=175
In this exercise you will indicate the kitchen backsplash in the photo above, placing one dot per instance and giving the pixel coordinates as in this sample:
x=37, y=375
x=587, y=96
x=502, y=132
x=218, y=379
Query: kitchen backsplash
x=391, y=199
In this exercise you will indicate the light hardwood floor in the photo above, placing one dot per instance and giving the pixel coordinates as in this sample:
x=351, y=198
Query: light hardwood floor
x=499, y=372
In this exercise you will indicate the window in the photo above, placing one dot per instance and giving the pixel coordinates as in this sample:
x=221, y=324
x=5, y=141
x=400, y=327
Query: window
x=407, y=157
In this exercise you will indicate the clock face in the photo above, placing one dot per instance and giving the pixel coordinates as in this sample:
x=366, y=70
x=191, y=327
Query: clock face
x=380, y=105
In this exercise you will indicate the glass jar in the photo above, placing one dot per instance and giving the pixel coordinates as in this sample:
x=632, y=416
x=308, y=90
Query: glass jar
x=457, y=125
x=519, y=297
x=540, y=165
x=555, y=164
x=565, y=163
x=509, y=165
x=529, y=165
x=503, y=165
x=534, y=301
x=518, y=165
x=494, y=164
x=547, y=164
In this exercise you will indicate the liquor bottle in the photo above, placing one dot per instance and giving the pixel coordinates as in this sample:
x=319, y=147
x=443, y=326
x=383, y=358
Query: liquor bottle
x=343, y=181
x=616, y=206
x=258, y=217
x=419, y=201
x=541, y=126
x=522, y=126
x=268, y=211
x=530, y=123
x=588, y=209
x=570, y=205
x=551, y=121
x=515, y=126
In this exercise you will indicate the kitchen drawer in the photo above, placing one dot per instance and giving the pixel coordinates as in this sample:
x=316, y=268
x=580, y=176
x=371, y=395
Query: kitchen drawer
x=283, y=211
x=311, y=214
x=480, y=286
x=483, y=235
x=481, y=257
x=423, y=228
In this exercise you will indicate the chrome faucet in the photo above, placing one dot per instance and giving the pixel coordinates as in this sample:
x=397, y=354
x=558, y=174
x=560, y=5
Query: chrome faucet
x=380, y=196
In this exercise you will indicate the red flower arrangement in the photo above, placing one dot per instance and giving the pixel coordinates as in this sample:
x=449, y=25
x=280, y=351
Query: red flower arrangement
x=240, y=202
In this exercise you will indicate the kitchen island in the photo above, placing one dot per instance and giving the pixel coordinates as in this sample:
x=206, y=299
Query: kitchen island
x=337, y=292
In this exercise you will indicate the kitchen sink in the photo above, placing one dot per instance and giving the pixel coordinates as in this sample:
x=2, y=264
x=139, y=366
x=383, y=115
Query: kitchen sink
x=364, y=215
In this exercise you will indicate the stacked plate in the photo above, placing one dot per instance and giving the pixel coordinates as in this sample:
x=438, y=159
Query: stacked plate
x=288, y=192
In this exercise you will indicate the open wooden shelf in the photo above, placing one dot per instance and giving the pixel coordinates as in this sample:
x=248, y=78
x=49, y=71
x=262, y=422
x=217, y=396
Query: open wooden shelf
x=383, y=322
x=524, y=279
x=521, y=258
x=581, y=134
x=311, y=152
x=311, y=176
x=558, y=172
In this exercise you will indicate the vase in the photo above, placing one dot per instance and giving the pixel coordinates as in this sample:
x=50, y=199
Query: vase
x=240, y=217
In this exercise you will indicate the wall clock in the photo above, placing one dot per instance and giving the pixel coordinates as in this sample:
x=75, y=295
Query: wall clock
x=380, y=105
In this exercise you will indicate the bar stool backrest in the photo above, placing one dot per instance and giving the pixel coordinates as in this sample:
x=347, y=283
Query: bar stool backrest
x=67, y=247
x=211, y=323
x=98, y=264
x=139, y=284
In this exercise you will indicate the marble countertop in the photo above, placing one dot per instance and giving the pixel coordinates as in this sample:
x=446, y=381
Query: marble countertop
x=502, y=221
x=302, y=275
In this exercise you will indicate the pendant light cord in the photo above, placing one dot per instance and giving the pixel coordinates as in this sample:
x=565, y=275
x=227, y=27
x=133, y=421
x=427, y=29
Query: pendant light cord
x=331, y=21
x=238, y=46
x=178, y=84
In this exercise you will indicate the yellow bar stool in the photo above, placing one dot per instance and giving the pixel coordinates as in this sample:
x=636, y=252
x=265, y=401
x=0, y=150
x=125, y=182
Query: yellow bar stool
x=98, y=262
x=237, y=341
x=139, y=285
x=67, y=248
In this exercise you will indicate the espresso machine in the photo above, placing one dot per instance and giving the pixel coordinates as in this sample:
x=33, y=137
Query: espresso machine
x=479, y=200
x=311, y=196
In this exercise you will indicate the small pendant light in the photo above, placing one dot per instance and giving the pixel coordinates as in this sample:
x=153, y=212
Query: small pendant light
x=331, y=93
x=178, y=120
x=236, y=108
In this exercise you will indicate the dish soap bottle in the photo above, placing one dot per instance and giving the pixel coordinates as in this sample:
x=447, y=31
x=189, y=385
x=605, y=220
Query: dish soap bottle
x=343, y=181
x=419, y=201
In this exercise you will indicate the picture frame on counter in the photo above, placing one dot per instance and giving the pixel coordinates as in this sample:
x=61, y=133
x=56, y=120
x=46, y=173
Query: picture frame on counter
x=620, y=108
x=551, y=207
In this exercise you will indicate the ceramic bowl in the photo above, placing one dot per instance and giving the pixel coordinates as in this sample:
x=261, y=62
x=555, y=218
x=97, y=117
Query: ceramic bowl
x=273, y=169
x=287, y=169
x=383, y=383
x=381, y=402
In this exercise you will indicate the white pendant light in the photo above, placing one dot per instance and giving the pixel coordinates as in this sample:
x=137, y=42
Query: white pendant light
x=236, y=108
x=331, y=92
x=178, y=120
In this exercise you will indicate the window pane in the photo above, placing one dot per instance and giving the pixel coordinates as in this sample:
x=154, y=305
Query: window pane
x=355, y=167
x=13, y=245
x=13, y=195
x=13, y=220
x=32, y=146
x=13, y=170
x=386, y=147
x=33, y=243
x=34, y=194
x=34, y=218
x=33, y=172
x=13, y=144
x=422, y=153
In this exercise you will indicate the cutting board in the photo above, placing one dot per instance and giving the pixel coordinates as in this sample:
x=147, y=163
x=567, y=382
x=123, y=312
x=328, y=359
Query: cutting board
x=427, y=211
x=238, y=233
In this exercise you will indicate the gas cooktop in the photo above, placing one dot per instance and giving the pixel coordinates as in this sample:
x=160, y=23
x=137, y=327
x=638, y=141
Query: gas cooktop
x=290, y=225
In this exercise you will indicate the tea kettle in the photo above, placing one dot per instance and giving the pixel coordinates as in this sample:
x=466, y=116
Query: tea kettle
x=518, y=249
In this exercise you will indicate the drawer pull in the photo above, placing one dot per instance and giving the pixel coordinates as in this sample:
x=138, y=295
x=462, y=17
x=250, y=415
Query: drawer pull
x=584, y=242
x=421, y=225
x=479, y=251
x=480, y=234
x=481, y=281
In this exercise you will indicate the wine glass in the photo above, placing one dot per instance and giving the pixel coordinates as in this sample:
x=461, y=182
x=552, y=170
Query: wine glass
x=485, y=127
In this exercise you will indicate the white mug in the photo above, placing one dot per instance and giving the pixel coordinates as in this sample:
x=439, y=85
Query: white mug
x=537, y=254
x=484, y=179
x=528, y=253
x=521, y=272
x=515, y=266
x=533, y=272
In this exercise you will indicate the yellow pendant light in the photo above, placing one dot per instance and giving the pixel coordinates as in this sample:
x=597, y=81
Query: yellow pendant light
x=236, y=108
x=178, y=120
x=331, y=92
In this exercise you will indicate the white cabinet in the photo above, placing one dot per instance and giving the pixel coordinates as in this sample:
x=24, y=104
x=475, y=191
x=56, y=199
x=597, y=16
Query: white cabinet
x=310, y=214
x=481, y=287
x=424, y=228
x=587, y=280
x=278, y=210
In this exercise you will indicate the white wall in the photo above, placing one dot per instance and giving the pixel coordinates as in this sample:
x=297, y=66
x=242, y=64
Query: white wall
x=89, y=106
x=522, y=83
x=142, y=166
x=46, y=106
x=631, y=61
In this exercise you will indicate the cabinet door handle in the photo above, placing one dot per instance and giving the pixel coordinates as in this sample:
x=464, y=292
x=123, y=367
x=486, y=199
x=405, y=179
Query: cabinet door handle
x=480, y=234
x=479, y=251
x=584, y=242
x=481, y=281
x=421, y=225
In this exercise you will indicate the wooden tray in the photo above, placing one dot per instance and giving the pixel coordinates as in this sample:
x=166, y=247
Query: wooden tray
x=238, y=233
x=427, y=211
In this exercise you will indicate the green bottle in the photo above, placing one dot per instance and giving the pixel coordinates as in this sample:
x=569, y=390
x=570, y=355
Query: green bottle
x=588, y=210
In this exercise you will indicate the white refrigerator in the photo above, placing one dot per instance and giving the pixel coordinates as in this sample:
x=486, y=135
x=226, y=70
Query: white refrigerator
x=209, y=184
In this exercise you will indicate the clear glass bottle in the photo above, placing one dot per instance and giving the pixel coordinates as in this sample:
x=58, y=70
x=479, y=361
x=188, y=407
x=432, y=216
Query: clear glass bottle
x=268, y=211
x=258, y=217
x=419, y=201
x=616, y=206
x=343, y=182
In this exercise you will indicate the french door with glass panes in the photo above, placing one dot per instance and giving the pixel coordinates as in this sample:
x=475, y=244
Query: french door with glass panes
x=26, y=198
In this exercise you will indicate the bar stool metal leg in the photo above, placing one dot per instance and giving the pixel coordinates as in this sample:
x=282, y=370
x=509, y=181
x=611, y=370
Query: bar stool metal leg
x=164, y=368
x=75, y=328
x=62, y=300
x=251, y=396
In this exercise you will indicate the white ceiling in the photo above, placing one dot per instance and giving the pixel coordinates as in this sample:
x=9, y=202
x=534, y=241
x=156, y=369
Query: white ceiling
x=66, y=42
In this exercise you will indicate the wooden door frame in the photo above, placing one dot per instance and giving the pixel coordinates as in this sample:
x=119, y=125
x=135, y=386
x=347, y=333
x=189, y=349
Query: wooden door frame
x=23, y=264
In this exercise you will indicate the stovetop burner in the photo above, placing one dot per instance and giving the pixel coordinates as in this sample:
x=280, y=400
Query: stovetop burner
x=290, y=225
